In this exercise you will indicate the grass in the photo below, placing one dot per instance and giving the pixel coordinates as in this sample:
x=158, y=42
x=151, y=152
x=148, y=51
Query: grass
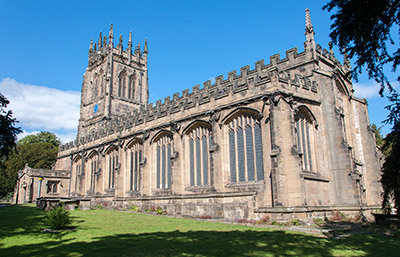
x=103, y=232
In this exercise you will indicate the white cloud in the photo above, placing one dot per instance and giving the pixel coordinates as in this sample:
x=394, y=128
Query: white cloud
x=366, y=90
x=370, y=90
x=40, y=108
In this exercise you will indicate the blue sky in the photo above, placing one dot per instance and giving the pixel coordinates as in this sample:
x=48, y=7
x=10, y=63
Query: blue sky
x=44, y=48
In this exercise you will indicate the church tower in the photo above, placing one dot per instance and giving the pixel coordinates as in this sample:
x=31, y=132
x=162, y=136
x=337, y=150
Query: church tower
x=115, y=82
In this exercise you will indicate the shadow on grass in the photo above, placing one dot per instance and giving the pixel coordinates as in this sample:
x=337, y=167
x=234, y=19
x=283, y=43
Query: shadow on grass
x=192, y=243
x=211, y=243
x=25, y=220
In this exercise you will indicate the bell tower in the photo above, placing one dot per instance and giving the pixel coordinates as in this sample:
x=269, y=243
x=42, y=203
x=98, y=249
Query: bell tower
x=115, y=81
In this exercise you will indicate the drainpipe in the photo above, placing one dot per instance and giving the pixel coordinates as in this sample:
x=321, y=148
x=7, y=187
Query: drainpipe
x=40, y=185
x=70, y=177
x=17, y=195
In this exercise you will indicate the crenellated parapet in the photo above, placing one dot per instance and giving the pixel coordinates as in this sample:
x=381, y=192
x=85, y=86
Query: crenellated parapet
x=293, y=74
x=104, y=47
x=286, y=72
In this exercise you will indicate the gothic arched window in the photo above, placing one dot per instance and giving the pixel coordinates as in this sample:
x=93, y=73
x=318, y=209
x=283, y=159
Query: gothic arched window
x=199, y=141
x=91, y=168
x=131, y=87
x=163, y=154
x=77, y=171
x=112, y=165
x=122, y=84
x=135, y=157
x=245, y=149
x=95, y=87
x=305, y=129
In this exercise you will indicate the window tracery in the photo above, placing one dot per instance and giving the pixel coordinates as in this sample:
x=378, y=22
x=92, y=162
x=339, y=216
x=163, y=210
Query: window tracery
x=245, y=149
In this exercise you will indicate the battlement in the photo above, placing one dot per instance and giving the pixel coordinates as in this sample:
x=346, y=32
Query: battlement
x=293, y=74
x=280, y=71
x=105, y=47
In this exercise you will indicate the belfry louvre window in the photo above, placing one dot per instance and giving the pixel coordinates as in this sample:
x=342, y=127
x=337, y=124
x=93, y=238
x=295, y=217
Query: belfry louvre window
x=305, y=138
x=163, y=162
x=135, y=157
x=131, y=87
x=200, y=140
x=122, y=84
x=245, y=149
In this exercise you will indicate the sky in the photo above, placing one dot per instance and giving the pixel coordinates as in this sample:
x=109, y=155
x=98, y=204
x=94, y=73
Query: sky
x=44, y=49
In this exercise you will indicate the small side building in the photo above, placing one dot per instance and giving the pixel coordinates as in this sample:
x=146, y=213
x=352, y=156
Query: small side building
x=35, y=183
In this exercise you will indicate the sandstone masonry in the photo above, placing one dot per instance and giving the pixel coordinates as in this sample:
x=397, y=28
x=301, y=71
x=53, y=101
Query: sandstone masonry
x=284, y=139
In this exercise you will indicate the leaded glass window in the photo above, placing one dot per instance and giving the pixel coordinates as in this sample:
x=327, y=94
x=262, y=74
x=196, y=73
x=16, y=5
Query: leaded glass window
x=305, y=138
x=113, y=165
x=163, y=162
x=200, y=139
x=245, y=149
x=135, y=155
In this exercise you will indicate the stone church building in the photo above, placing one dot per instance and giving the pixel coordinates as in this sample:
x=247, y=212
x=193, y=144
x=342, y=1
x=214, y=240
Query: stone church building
x=285, y=139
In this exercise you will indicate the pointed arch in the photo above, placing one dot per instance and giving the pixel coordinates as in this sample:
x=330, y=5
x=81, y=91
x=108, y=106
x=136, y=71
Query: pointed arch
x=163, y=152
x=110, y=148
x=92, y=154
x=245, y=145
x=306, y=137
x=241, y=111
x=198, y=137
x=77, y=158
x=133, y=141
x=308, y=114
x=195, y=124
x=122, y=81
x=161, y=134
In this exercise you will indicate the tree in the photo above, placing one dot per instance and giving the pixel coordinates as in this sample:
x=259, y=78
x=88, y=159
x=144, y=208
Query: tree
x=378, y=135
x=391, y=148
x=43, y=136
x=362, y=29
x=37, y=152
x=8, y=131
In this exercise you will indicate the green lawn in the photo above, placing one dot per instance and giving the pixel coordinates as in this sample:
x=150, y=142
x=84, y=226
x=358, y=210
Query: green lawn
x=111, y=233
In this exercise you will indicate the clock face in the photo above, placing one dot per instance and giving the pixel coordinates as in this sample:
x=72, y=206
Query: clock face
x=95, y=108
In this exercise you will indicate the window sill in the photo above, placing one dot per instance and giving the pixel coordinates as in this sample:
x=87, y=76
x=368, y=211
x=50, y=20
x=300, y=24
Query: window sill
x=313, y=176
x=134, y=193
x=162, y=192
x=249, y=185
x=201, y=189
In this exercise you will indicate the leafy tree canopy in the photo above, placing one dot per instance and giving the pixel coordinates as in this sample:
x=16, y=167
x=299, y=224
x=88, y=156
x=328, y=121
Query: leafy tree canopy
x=378, y=135
x=8, y=131
x=362, y=29
x=43, y=136
x=38, y=152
